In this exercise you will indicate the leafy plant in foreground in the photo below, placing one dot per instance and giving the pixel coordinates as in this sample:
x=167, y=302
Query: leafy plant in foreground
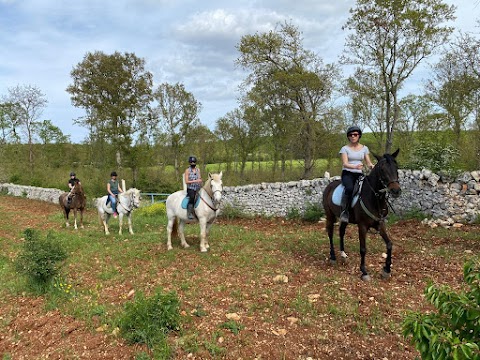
x=147, y=320
x=453, y=332
x=40, y=260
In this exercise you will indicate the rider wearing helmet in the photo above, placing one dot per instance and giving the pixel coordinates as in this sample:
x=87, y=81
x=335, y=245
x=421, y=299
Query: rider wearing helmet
x=353, y=154
x=71, y=183
x=193, y=180
x=113, y=189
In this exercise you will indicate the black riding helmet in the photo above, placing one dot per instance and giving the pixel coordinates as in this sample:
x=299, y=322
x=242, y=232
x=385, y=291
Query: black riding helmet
x=192, y=159
x=72, y=174
x=114, y=173
x=354, y=128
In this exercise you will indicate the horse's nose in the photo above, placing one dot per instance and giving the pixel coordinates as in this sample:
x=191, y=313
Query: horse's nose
x=396, y=192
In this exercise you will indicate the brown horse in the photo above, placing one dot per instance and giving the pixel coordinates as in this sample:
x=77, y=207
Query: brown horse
x=76, y=202
x=369, y=209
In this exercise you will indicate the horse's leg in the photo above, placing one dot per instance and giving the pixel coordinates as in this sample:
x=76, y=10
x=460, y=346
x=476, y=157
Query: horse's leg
x=181, y=233
x=120, y=222
x=329, y=225
x=388, y=261
x=75, y=219
x=203, y=235
x=170, y=224
x=67, y=212
x=207, y=231
x=130, y=229
x=342, y=229
x=105, y=218
x=362, y=236
x=81, y=218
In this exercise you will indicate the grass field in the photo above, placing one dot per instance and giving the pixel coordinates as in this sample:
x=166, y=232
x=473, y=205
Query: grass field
x=264, y=290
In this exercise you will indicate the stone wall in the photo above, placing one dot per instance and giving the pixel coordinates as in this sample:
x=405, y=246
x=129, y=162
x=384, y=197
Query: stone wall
x=32, y=192
x=452, y=200
x=448, y=199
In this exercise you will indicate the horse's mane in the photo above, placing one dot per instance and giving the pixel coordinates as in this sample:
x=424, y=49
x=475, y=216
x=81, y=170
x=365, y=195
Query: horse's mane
x=130, y=191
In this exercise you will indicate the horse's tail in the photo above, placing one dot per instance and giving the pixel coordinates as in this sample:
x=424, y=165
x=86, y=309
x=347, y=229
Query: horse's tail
x=98, y=204
x=175, y=228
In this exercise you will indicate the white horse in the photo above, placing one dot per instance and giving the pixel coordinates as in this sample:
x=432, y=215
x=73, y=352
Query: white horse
x=126, y=202
x=205, y=209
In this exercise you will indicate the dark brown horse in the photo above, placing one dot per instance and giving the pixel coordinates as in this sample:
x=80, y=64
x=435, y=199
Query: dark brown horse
x=369, y=211
x=76, y=202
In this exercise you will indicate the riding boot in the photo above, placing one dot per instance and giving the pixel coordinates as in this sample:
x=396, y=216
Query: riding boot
x=345, y=207
x=190, y=211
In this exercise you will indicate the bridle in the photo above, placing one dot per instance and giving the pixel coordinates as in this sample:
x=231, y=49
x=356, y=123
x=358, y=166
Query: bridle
x=380, y=194
x=133, y=204
x=211, y=193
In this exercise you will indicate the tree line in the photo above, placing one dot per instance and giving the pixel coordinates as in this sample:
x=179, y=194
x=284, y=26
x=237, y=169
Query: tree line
x=292, y=106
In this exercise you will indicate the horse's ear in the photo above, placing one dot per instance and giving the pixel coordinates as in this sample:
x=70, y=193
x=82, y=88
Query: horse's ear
x=394, y=155
x=376, y=156
x=209, y=175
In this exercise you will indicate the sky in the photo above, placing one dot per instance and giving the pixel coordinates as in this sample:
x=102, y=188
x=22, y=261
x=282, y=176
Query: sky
x=186, y=41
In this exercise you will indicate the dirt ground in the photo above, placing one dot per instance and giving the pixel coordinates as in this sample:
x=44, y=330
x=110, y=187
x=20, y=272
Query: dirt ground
x=34, y=333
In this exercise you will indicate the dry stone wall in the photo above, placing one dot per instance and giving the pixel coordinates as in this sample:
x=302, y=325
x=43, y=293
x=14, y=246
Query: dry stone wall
x=451, y=200
x=448, y=199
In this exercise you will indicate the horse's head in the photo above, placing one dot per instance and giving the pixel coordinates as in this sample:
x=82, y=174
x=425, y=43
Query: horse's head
x=216, y=187
x=386, y=171
x=135, y=197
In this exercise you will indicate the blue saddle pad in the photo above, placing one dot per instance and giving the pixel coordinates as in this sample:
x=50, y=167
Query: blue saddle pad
x=185, y=202
x=338, y=193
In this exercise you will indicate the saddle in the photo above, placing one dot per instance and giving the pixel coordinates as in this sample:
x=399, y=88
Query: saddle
x=186, y=199
x=338, y=192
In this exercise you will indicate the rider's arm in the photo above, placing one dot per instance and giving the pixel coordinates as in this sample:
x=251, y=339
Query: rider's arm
x=368, y=161
x=109, y=191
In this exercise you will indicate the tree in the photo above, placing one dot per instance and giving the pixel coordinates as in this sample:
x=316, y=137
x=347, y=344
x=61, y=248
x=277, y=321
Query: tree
x=51, y=133
x=453, y=88
x=278, y=59
x=115, y=91
x=452, y=331
x=390, y=38
x=27, y=104
x=8, y=123
x=244, y=130
x=177, y=112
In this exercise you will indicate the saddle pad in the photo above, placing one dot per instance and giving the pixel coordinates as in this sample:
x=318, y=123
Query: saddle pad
x=185, y=202
x=338, y=193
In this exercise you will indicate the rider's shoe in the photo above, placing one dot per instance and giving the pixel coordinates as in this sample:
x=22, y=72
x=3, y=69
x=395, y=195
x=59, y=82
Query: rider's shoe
x=115, y=214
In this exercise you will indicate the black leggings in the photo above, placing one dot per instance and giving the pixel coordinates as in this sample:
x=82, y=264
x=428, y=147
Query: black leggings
x=191, y=195
x=348, y=180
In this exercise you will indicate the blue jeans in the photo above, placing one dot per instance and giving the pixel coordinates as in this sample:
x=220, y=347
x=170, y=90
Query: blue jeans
x=113, y=200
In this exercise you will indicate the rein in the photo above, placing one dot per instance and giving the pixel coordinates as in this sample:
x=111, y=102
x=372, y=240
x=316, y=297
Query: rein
x=131, y=201
x=379, y=195
x=209, y=193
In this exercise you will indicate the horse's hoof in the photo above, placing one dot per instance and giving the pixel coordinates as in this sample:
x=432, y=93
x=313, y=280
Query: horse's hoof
x=366, y=277
x=169, y=247
x=333, y=262
x=203, y=250
x=344, y=260
x=186, y=246
x=386, y=275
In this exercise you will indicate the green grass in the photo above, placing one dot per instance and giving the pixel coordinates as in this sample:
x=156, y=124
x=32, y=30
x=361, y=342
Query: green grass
x=236, y=275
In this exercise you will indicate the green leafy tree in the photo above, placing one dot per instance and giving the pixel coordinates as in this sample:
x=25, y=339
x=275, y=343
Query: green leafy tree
x=177, y=114
x=391, y=38
x=115, y=91
x=453, y=331
x=51, y=133
x=245, y=131
x=278, y=58
x=8, y=123
x=27, y=105
x=453, y=88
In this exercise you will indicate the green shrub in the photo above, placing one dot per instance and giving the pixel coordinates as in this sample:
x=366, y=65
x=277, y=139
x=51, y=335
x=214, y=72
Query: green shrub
x=453, y=331
x=40, y=260
x=433, y=156
x=154, y=210
x=147, y=320
x=313, y=212
x=231, y=212
x=293, y=214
